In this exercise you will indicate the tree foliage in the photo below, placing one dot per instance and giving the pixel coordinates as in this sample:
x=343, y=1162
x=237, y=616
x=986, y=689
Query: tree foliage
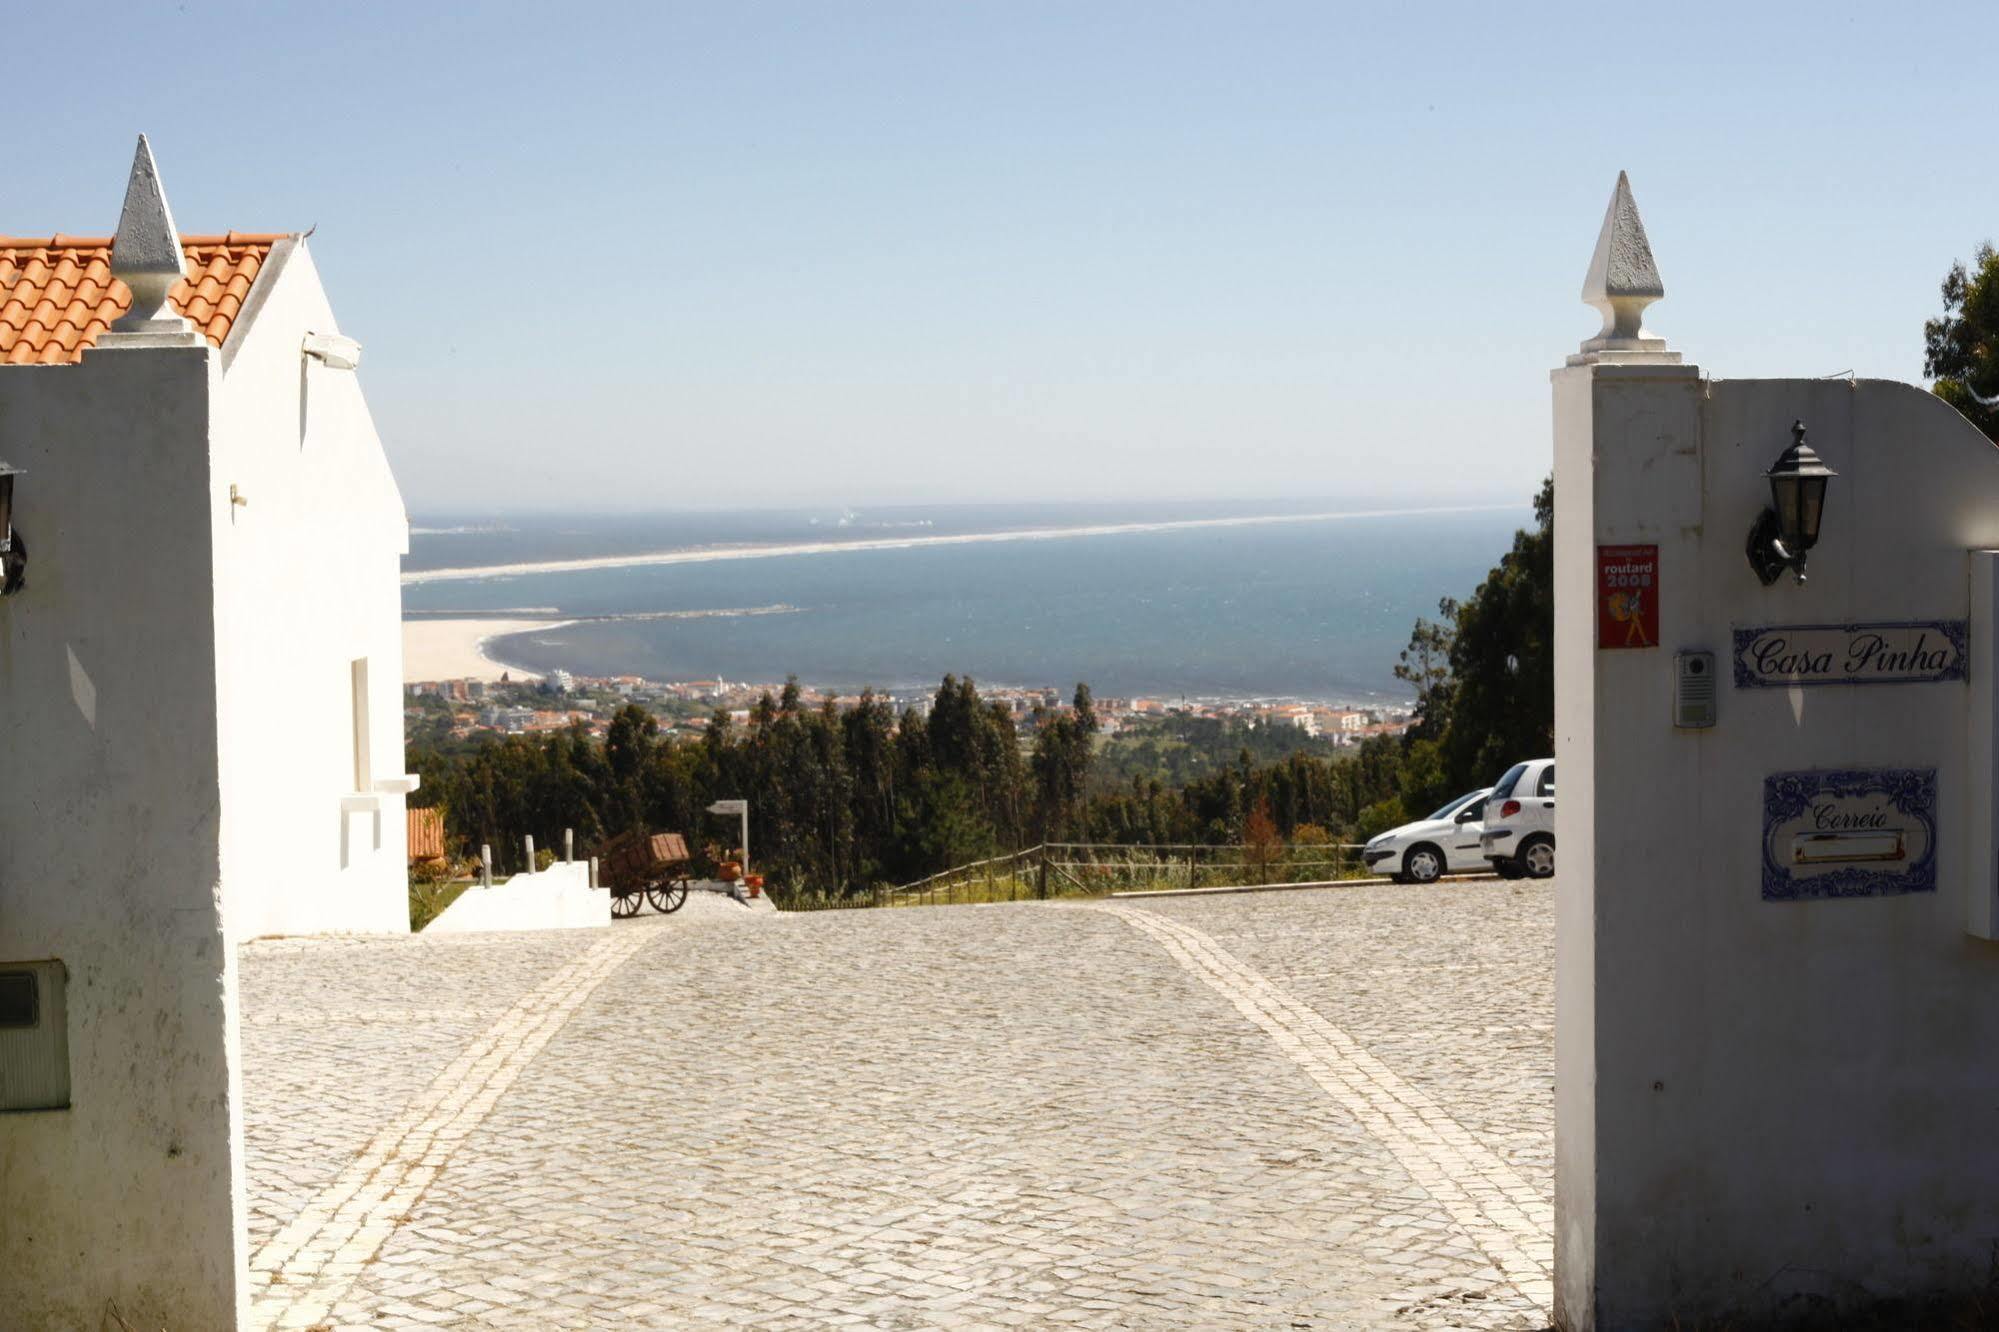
x=1426, y=665
x=1063, y=748
x=1961, y=346
x=1485, y=673
x=838, y=800
x=1262, y=843
x=843, y=800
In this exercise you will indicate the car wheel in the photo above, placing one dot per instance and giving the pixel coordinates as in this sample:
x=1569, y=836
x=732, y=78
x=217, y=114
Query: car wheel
x=1509, y=869
x=1539, y=857
x=1422, y=864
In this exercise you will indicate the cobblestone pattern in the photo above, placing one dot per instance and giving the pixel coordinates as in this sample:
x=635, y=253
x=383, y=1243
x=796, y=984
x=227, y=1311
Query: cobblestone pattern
x=301, y=1273
x=1007, y=1116
x=340, y=1033
x=1451, y=986
x=1509, y=1219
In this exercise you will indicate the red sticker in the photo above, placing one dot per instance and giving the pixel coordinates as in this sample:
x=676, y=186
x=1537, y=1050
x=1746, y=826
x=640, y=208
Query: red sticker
x=1627, y=596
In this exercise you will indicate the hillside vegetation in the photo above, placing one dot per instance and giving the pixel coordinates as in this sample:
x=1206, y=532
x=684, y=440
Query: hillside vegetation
x=842, y=800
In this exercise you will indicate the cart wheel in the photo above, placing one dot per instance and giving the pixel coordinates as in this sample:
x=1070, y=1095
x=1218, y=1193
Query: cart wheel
x=668, y=897
x=625, y=902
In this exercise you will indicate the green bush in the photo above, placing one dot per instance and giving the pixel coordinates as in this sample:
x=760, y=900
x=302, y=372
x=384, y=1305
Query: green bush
x=1379, y=818
x=429, y=897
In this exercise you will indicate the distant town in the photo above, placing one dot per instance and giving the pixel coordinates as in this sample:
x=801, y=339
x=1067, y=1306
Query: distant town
x=465, y=708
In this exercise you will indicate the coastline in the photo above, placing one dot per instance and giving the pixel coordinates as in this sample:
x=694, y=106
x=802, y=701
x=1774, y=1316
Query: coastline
x=457, y=649
x=450, y=649
x=710, y=554
x=1289, y=610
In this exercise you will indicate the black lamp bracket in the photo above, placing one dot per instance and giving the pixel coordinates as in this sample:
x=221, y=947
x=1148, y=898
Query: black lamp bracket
x=1767, y=554
x=13, y=566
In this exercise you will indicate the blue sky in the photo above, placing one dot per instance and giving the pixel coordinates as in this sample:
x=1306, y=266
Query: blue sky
x=835, y=253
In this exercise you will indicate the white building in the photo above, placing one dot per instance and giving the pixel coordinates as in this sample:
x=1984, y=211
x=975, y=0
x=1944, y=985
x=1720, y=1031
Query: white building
x=1776, y=986
x=199, y=685
x=1348, y=720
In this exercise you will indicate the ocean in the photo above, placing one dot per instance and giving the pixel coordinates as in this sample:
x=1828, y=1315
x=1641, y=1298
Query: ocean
x=1176, y=600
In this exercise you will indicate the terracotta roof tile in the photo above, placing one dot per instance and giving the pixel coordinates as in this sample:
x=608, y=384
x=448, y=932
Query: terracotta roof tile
x=426, y=833
x=57, y=294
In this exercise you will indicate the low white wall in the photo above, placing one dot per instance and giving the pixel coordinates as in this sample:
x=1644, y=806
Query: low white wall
x=1763, y=1102
x=558, y=898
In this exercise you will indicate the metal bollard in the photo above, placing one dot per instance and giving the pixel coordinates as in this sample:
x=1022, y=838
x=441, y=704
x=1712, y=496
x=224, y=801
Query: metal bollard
x=485, y=865
x=530, y=864
x=568, y=845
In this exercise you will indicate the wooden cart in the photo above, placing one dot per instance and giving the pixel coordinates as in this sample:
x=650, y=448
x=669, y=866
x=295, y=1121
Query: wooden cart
x=639, y=867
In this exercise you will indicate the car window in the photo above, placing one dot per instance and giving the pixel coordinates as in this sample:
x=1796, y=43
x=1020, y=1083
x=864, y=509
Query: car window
x=1506, y=783
x=1547, y=786
x=1476, y=810
x=1448, y=810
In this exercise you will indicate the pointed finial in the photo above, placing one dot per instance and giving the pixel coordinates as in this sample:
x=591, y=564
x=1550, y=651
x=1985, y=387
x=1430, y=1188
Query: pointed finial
x=146, y=254
x=1623, y=279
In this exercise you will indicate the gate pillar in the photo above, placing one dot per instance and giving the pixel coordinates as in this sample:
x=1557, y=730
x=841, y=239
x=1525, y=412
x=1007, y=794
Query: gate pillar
x=1774, y=1084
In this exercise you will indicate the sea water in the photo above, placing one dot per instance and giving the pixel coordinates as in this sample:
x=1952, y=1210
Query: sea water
x=1304, y=607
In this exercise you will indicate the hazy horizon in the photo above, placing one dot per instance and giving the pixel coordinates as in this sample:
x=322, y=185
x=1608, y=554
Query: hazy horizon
x=555, y=506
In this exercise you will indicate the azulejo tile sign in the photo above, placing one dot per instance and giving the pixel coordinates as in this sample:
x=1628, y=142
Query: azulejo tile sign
x=1857, y=832
x=1891, y=652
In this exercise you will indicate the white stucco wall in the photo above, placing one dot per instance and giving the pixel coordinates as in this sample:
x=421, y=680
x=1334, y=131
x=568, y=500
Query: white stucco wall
x=1758, y=1101
x=558, y=898
x=308, y=576
x=110, y=850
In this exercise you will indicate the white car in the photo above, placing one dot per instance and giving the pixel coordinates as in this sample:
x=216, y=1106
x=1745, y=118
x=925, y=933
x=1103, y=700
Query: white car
x=1446, y=842
x=1519, y=837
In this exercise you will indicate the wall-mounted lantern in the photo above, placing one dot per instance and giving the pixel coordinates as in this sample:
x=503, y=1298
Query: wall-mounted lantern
x=13, y=550
x=1789, y=528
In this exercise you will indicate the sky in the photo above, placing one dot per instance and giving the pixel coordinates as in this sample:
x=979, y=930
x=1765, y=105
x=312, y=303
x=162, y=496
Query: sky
x=824, y=254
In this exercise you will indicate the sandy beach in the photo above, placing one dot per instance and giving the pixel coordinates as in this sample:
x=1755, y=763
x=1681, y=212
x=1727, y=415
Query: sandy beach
x=456, y=649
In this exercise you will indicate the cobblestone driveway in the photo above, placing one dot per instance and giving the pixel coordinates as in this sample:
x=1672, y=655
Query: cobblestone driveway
x=1324, y=1109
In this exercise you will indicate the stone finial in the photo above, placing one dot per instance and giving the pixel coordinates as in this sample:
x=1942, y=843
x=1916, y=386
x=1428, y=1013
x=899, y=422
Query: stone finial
x=146, y=254
x=1623, y=279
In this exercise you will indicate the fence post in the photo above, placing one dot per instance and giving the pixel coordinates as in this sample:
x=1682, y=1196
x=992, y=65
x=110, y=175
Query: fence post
x=485, y=865
x=530, y=842
x=1041, y=876
x=593, y=872
x=568, y=845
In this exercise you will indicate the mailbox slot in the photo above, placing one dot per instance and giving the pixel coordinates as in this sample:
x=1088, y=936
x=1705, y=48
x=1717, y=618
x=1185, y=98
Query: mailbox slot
x=20, y=999
x=1845, y=847
x=34, y=1036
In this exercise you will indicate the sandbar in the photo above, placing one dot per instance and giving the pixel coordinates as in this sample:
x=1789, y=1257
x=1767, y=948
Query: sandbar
x=709, y=554
x=456, y=649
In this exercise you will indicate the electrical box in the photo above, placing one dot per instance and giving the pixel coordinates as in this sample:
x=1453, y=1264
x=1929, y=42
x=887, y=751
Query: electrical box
x=1693, y=690
x=34, y=1036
